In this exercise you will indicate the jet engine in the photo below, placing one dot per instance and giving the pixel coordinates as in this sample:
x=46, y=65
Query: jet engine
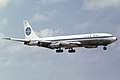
x=32, y=43
x=55, y=45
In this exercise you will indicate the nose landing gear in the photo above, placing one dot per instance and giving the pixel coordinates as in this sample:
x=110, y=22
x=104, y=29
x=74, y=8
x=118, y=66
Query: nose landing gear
x=104, y=48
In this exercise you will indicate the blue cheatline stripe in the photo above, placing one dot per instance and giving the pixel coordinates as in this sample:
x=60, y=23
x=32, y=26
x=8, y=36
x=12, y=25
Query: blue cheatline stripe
x=81, y=38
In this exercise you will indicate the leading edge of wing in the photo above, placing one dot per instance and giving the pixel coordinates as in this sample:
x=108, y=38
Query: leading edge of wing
x=16, y=39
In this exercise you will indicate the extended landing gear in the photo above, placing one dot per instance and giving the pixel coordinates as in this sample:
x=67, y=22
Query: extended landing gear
x=59, y=51
x=71, y=51
x=104, y=48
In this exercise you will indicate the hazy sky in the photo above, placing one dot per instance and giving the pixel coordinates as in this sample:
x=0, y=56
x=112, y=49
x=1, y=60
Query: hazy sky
x=59, y=17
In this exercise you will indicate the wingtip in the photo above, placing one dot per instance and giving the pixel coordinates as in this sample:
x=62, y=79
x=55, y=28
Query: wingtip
x=6, y=38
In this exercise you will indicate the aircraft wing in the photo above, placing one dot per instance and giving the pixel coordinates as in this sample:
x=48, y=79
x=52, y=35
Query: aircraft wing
x=46, y=44
x=15, y=39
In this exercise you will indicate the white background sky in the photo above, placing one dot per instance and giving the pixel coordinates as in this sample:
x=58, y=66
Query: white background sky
x=59, y=17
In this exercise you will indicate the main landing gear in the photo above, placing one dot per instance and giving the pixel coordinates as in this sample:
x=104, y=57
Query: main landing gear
x=71, y=50
x=59, y=50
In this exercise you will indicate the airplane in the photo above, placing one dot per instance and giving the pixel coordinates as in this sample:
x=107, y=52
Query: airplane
x=68, y=42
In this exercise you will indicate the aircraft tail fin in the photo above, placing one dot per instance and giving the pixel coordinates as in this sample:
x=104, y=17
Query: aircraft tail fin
x=28, y=31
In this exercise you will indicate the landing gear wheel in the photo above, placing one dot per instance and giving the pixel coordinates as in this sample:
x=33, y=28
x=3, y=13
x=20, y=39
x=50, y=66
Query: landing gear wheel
x=104, y=48
x=59, y=51
x=71, y=51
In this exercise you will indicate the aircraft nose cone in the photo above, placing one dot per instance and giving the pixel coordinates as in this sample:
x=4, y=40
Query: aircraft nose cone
x=116, y=39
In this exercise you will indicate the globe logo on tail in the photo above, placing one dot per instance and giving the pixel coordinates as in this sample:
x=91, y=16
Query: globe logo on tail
x=28, y=31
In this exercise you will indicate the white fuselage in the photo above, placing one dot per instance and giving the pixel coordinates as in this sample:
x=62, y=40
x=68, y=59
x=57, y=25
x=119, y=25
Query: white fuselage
x=84, y=40
x=82, y=37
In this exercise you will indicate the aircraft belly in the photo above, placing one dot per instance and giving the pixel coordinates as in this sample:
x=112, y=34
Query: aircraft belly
x=78, y=43
x=69, y=46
